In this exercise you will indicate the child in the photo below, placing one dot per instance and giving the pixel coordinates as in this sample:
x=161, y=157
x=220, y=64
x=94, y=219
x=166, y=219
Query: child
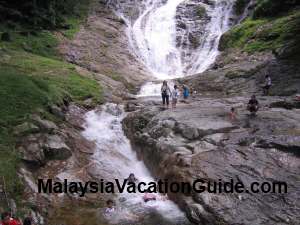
x=174, y=96
x=110, y=207
x=232, y=114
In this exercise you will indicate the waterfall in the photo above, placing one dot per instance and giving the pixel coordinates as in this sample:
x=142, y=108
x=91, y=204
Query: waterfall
x=206, y=54
x=152, y=35
x=154, y=38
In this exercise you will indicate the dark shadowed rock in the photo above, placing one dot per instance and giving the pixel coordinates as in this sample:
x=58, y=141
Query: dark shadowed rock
x=56, y=148
x=45, y=125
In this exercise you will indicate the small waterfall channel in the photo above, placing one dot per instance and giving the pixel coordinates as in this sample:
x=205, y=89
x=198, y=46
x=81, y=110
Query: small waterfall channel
x=115, y=159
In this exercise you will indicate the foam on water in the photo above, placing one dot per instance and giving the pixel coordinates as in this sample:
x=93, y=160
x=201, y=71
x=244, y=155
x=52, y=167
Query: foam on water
x=153, y=39
x=115, y=158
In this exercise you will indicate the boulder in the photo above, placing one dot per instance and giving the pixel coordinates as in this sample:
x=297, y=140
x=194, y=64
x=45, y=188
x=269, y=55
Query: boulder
x=56, y=111
x=45, y=125
x=33, y=153
x=25, y=128
x=56, y=148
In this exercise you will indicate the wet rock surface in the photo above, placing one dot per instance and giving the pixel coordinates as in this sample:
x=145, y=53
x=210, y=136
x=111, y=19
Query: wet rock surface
x=191, y=24
x=199, y=140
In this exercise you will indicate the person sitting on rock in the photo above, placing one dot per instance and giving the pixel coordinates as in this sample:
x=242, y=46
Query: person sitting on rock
x=8, y=220
x=175, y=95
x=110, y=208
x=165, y=93
x=149, y=197
x=253, y=105
x=132, y=178
x=268, y=84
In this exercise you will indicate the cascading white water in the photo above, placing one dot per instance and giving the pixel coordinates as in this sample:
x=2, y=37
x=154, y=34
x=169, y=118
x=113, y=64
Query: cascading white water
x=154, y=35
x=114, y=159
x=206, y=54
x=153, y=39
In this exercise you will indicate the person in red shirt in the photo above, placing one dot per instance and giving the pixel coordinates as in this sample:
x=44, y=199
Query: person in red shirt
x=8, y=220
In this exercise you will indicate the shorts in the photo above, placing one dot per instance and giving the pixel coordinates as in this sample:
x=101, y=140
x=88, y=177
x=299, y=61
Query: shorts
x=267, y=87
x=253, y=108
x=174, y=100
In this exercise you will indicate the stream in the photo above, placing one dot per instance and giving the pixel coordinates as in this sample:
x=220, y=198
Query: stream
x=115, y=159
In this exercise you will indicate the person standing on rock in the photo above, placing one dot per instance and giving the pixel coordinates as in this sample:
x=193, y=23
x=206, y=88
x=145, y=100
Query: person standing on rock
x=175, y=95
x=165, y=93
x=186, y=92
x=268, y=84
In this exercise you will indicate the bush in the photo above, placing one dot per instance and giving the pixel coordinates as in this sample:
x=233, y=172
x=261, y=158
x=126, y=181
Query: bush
x=271, y=8
x=239, y=6
x=265, y=34
x=47, y=14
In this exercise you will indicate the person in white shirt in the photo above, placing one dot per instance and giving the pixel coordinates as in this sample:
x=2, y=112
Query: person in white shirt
x=268, y=84
x=175, y=95
x=110, y=207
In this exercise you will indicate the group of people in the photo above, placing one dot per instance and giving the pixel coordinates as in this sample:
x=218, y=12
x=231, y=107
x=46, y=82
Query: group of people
x=252, y=106
x=167, y=93
x=8, y=219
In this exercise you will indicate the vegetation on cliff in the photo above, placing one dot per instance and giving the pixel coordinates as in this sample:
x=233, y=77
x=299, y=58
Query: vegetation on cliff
x=272, y=27
x=33, y=76
x=46, y=14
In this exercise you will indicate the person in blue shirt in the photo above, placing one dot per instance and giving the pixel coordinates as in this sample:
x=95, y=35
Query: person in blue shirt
x=186, y=92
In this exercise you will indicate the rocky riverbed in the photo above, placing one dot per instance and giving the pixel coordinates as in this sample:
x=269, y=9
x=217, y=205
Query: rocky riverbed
x=198, y=140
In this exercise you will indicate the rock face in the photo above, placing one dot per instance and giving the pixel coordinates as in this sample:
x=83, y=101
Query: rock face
x=198, y=140
x=42, y=144
x=240, y=73
x=92, y=49
x=54, y=151
x=191, y=20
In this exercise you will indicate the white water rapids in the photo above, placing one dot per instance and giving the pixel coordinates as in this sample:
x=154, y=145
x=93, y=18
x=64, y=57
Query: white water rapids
x=115, y=159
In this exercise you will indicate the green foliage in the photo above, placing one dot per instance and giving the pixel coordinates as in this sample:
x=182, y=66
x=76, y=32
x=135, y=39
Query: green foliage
x=49, y=80
x=239, y=6
x=263, y=34
x=73, y=21
x=238, y=36
x=42, y=43
x=271, y=8
x=28, y=83
x=32, y=73
x=47, y=14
